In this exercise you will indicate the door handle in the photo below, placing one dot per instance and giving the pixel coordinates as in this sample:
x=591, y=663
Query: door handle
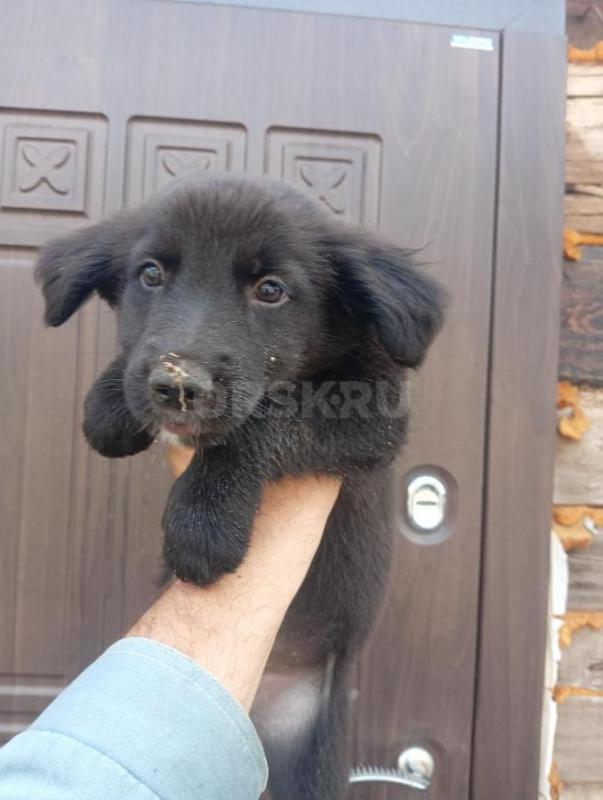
x=383, y=775
x=415, y=770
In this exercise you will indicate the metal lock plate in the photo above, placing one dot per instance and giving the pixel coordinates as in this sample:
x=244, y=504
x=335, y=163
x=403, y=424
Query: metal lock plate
x=426, y=502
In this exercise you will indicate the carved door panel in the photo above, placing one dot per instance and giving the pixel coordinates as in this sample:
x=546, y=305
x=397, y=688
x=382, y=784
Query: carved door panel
x=385, y=123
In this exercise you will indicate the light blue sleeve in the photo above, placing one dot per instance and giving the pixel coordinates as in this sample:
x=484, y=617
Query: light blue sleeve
x=142, y=722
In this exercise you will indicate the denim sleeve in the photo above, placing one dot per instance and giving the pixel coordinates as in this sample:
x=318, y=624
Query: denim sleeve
x=142, y=722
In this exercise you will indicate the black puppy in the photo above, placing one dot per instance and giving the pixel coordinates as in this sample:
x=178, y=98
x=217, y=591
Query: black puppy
x=276, y=341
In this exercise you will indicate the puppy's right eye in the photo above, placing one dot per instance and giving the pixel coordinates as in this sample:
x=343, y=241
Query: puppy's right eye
x=152, y=274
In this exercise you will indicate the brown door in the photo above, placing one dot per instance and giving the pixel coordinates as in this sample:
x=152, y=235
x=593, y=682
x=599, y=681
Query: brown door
x=390, y=126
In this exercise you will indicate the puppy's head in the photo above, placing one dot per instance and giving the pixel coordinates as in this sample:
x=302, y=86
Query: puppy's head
x=225, y=286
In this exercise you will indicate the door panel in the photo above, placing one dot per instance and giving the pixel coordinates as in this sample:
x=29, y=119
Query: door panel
x=387, y=125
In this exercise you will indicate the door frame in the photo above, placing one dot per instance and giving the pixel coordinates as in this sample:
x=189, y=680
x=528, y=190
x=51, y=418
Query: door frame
x=490, y=15
x=520, y=436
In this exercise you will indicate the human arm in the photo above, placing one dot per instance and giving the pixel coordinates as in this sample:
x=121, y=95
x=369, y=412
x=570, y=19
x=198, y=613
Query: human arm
x=159, y=714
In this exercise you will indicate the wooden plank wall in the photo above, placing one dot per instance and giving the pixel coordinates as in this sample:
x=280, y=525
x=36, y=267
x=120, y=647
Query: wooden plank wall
x=579, y=692
x=579, y=466
x=581, y=345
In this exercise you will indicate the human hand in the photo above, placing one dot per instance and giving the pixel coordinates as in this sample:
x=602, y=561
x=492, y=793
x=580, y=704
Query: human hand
x=229, y=627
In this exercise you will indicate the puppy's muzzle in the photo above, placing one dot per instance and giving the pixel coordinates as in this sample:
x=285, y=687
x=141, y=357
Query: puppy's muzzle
x=176, y=384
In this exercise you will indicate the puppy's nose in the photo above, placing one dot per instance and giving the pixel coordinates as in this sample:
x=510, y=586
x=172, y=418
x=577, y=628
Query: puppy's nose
x=179, y=385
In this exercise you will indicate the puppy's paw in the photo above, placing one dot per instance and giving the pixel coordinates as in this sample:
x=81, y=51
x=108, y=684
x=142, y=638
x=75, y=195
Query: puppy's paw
x=206, y=530
x=109, y=426
x=200, y=548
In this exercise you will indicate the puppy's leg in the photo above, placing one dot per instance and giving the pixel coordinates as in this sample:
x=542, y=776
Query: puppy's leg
x=109, y=426
x=324, y=764
x=300, y=714
x=208, y=518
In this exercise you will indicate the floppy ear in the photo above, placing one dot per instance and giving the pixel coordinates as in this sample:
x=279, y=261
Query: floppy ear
x=381, y=285
x=70, y=269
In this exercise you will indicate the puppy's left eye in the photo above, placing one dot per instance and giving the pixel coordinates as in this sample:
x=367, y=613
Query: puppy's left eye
x=152, y=274
x=270, y=290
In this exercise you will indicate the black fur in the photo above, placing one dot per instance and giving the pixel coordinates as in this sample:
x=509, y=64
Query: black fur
x=314, y=385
